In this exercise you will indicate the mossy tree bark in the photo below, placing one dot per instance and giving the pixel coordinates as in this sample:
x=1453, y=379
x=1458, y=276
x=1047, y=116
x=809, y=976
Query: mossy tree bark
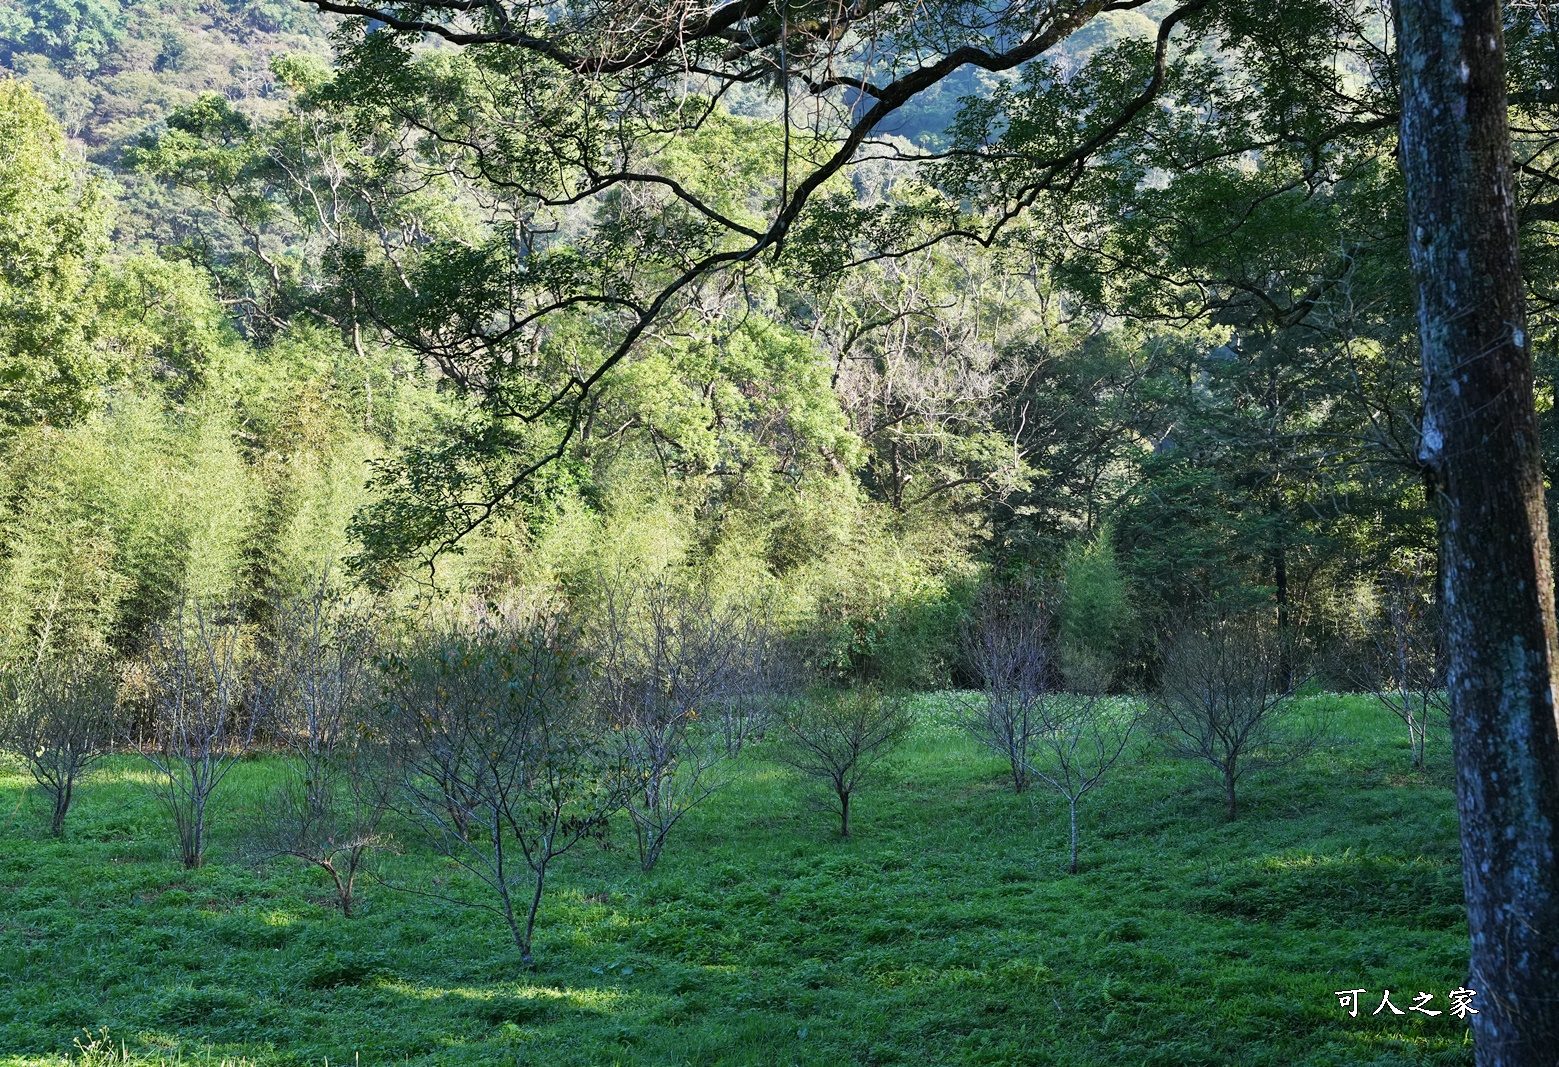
x=1481, y=450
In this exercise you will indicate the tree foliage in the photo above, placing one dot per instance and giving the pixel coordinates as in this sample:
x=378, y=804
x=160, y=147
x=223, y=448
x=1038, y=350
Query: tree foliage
x=55, y=232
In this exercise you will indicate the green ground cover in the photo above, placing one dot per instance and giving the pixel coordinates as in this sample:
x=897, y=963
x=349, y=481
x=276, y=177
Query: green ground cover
x=945, y=932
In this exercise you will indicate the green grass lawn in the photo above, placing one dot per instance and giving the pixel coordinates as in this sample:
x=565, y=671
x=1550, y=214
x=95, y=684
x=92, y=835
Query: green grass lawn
x=945, y=932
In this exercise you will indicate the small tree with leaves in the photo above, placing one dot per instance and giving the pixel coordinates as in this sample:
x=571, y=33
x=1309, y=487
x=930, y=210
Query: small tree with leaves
x=58, y=717
x=209, y=697
x=678, y=676
x=504, y=765
x=341, y=780
x=1221, y=700
x=839, y=738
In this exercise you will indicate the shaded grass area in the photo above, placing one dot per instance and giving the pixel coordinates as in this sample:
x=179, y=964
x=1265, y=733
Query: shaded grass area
x=944, y=932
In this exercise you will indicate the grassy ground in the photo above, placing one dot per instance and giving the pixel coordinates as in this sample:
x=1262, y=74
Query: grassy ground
x=945, y=932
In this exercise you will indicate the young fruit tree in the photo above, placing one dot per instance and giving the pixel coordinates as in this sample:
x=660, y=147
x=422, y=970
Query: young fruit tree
x=209, y=697
x=1068, y=740
x=1082, y=737
x=1482, y=458
x=58, y=717
x=1222, y=702
x=503, y=764
x=1006, y=642
x=839, y=740
x=676, y=674
x=340, y=781
x=1407, y=662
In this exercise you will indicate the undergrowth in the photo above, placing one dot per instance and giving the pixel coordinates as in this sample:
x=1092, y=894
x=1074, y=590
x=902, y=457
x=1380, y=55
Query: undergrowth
x=946, y=931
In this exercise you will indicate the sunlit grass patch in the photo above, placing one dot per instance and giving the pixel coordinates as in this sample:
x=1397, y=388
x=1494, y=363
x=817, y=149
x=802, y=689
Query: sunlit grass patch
x=944, y=932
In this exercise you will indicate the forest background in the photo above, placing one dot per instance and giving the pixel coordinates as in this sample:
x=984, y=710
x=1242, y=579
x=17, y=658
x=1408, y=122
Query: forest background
x=1124, y=327
x=1189, y=368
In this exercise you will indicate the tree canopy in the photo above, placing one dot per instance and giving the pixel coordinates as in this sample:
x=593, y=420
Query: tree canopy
x=950, y=289
x=55, y=232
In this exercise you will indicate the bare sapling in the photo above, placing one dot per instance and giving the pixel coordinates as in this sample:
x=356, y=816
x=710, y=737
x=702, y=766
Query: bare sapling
x=767, y=672
x=329, y=811
x=58, y=716
x=1006, y=643
x=209, y=697
x=1081, y=737
x=1068, y=740
x=839, y=739
x=503, y=764
x=678, y=676
x=1407, y=662
x=1222, y=701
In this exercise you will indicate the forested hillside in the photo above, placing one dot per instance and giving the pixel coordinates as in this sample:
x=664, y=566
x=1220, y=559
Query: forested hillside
x=515, y=426
x=199, y=358
x=110, y=70
x=948, y=409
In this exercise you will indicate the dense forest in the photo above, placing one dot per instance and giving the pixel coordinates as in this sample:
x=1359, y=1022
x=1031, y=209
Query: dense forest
x=1226, y=412
x=375, y=376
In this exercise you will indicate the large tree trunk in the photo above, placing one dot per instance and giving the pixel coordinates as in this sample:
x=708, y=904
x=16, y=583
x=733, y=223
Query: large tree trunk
x=1481, y=450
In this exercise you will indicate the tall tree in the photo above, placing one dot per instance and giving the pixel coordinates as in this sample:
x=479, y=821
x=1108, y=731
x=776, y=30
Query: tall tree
x=597, y=142
x=52, y=233
x=1481, y=448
